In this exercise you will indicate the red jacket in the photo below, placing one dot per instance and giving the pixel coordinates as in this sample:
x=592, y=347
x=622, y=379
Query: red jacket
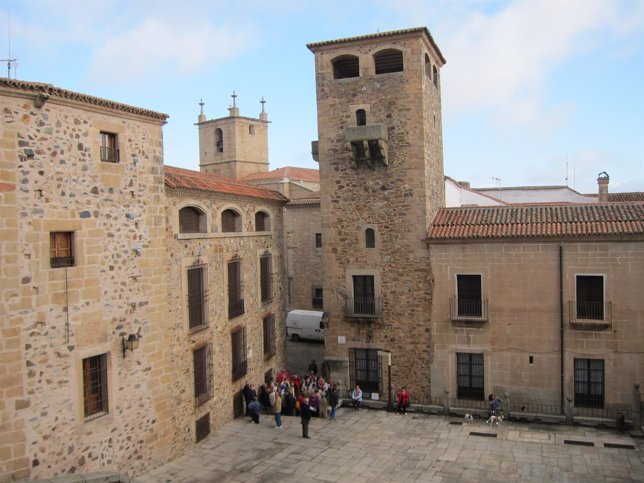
x=403, y=398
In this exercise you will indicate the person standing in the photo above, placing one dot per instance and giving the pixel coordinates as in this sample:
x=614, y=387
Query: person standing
x=403, y=400
x=356, y=397
x=277, y=407
x=313, y=367
x=305, y=414
x=333, y=401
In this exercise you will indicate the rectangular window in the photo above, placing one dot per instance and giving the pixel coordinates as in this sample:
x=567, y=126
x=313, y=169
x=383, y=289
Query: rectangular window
x=109, y=147
x=469, y=376
x=318, y=240
x=468, y=289
x=269, y=336
x=239, y=353
x=590, y=297
x=317, y=297
x=589, y=383
x=266, y=280
x=365, y=363
x=364, y=301
x=235, y=300
x=61, y=249
x=95, y=387
x=197, y=298
x=202, y=363
x=202, y=427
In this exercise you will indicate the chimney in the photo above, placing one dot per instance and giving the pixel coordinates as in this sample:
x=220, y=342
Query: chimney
x=602, y=184
x=464, y=184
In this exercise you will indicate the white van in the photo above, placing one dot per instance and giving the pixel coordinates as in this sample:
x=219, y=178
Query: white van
x=305, y=324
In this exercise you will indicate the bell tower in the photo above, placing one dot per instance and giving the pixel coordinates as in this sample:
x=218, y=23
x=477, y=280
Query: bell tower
x=380, y=152
x=233, y=146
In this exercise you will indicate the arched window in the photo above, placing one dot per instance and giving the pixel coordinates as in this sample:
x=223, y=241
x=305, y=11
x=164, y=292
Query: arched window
x=192, y=220
x=428, y=67
x=219, y=140
x=361, y=117
x=389, y=60
x=230, y=221
x=262, y=221
x=370, y=238
x=346, y=66
x=435, y=72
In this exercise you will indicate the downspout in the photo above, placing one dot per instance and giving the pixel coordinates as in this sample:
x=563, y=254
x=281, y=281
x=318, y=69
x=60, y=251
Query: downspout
x=561, y=322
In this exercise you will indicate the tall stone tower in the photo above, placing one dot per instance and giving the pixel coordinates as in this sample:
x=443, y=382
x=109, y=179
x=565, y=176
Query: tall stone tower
x=381, y=173
x=233, y=146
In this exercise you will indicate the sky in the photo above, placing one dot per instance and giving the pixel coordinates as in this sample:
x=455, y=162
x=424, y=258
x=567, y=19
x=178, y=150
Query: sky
x=534, y=92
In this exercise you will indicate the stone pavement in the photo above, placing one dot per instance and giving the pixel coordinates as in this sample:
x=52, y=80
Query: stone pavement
x=376, y=446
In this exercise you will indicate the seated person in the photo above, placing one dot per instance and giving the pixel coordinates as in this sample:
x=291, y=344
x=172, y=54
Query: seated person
x=356, y=397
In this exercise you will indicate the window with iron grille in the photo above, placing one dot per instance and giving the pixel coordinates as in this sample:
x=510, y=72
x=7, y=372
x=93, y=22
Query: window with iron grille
x=364, y=299
x=265, y=277
x=203, y=383
x=109, y=147
x=365, y=369
x=317, y=297
x=235, y=298
x=197, y=298
x=589, y=383
x=95, y=397
x=61, y=249
x=590, y=297
x=469, y=376
x=468, y=289
x=239, y=353
x=318, y=240
x=202, y=427
x=269, y=336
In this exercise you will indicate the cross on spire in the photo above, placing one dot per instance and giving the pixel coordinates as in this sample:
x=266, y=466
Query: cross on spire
x=262, y=102
x=234, y=96
x=202, y=103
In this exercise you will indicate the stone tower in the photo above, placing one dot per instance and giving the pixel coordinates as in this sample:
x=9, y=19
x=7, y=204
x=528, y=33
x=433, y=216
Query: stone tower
x=233, y=146
x=381, y=174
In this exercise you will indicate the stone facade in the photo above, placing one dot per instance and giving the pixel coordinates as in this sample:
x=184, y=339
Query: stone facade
x=305, y=271
x=56, y=319
x=212, y=250
x=519, y=333
x=395, y=197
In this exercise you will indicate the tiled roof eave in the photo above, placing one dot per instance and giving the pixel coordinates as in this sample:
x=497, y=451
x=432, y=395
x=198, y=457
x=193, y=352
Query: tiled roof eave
x=196, y=192
x=618, y=237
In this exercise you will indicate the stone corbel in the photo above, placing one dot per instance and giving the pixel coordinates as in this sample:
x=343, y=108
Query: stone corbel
x=382, y=145
x=40, y=99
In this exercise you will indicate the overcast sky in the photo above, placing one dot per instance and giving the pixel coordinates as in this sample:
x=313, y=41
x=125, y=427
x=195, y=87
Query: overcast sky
x=529, y=85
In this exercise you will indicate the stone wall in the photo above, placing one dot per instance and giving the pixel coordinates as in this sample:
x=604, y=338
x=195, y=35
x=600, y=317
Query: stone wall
x=53, y=318
x=212, y=250
x=521, y=338
x=304, y=259
x=396, y=201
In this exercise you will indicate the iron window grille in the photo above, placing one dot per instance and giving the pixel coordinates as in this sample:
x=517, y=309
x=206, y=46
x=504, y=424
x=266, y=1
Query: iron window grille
x=469, y=376
x=239, y=353
x=109, y=148
x=95, y=395
x=589, y=383
x=61, y=249
x=197, y=298
x=269, y=336
x=203, y=383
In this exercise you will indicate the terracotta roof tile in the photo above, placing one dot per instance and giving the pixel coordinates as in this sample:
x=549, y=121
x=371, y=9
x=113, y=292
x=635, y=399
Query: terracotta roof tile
x=626, y=197
x=307, y=199
x=291, y=172
x=177, y=178
x=547, y=221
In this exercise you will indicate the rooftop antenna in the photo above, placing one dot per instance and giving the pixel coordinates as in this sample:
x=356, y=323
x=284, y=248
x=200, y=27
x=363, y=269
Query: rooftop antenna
x=498, y=179
x=567, y=185
x=9, y=60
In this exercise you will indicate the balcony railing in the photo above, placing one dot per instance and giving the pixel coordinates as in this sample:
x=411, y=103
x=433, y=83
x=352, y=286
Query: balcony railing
x=235, y=308
x=58, y=262
x=590, y=314
x=109, y=155
x=468, y=310
x=362, y=307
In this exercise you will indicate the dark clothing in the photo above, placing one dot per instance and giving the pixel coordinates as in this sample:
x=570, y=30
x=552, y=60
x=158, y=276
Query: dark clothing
x=253, y=411
x=264, y=399
x=289, y=404
x=332, y=397
x=305, y=414
x=313, y=367
x=249, y=395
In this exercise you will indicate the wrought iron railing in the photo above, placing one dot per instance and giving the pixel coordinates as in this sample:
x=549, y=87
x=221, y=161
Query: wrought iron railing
x=463, y=309
x=109, y=155
x=590, y=314
x=363, y=307
x=235, y=308
x=58, y=262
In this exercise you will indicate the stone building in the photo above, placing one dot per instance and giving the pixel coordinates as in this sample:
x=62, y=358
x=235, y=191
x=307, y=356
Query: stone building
x=540, y=302
x=83, y=269
x=381, y=181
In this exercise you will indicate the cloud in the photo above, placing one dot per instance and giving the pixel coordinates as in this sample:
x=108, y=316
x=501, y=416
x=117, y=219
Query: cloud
x=158, y=47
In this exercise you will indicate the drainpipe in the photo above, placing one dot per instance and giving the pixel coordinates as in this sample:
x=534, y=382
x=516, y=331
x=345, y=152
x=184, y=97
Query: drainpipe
x=561, y=321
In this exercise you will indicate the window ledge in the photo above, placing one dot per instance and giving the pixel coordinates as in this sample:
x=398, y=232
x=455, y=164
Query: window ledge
x=228, y=234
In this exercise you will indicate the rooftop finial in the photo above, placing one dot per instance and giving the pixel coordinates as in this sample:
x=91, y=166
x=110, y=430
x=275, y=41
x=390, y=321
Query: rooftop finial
x=201, y=103
x=262, y=102
x=202, y=116
x=262, y=115
x=234, y=96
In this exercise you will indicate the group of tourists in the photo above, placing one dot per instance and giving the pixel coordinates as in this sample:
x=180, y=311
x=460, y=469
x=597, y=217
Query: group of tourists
x=307, y=397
